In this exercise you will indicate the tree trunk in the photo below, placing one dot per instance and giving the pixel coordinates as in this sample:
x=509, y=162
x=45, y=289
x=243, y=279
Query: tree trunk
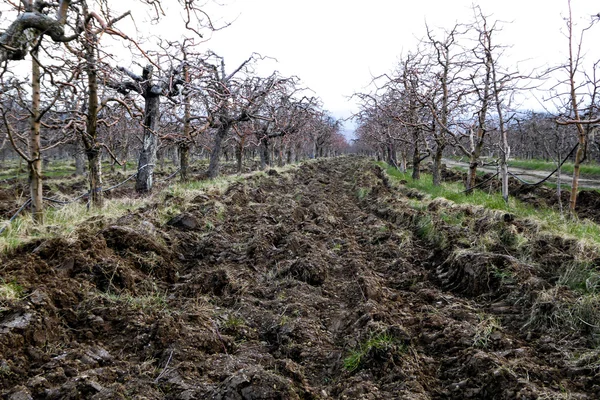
x=95, y=165
x=175, y=156
x=559, y=183
x=280, y=160
x=89, y=138
x=504, y=156
x=184, y=161
x=265, y=159
x=416, y=162
x=472, y=174
x=436, y=169
x=239, y=152
x=35, y=165
x=213, y=166
x=147, y=159
x=392, y=156
x=579, y=157
x=79, y=160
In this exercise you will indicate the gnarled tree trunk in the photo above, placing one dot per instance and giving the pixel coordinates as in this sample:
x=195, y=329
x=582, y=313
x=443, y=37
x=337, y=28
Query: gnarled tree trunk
x=147, y=158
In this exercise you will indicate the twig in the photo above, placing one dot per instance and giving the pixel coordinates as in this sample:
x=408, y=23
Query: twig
x=165, y=368
x=220, y=337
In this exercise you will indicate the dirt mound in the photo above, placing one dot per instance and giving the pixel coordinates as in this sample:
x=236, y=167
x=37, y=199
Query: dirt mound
x=321, y=281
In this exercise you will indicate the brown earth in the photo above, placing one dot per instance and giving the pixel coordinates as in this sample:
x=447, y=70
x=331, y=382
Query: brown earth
x=320, y=282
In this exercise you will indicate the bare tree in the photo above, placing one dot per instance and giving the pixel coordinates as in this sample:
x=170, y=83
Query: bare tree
x=446, y=90
x=150, y=90
x=230, y=99
x=281, y=115
x=49, y=81
x=581, y=108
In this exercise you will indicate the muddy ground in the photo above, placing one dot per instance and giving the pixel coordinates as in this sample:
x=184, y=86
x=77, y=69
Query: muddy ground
x=325, y=281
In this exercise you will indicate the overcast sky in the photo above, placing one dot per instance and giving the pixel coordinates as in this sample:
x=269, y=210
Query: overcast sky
x=337, y=46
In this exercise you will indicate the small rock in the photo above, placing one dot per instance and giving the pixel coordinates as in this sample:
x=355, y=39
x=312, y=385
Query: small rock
x=184, y=221
x=20, y=393
x=20, y=321
x=146, y=228
x=38, y=298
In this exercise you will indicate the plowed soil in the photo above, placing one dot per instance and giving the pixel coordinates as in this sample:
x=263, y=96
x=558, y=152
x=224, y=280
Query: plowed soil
x=323, y=281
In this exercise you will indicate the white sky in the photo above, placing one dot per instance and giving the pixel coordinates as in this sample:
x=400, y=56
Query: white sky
x=337, y=46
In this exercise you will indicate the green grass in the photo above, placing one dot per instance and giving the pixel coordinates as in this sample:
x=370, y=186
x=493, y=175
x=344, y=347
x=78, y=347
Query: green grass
x=380, y=341
x=62, y=221
x=362, y=193
x=10, y=290
x=549, y=219
x=587, y=169
x=582, y=277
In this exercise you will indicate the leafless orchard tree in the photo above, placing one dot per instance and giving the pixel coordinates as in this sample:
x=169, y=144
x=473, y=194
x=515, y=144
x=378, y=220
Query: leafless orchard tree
x=26, y=34
x=490, y=89
x=150, y=89
x=49, y=81
x=446, y=89
x=230, y=99
x=580, y=101
x=281, y=115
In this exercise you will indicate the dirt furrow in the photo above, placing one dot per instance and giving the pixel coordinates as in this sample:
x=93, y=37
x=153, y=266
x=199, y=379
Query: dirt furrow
x=321, y=281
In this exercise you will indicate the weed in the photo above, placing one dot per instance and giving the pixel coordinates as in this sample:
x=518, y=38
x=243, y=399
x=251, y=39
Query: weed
x=556, y=310
x=381, y=341
x=154, y=301
x=425, y=229
x=284, y=320
x=363, y=193
x=582, y=277
x=585, y=313
x=233, y=322
x=11, y=291
x=453, y=218
x=485, y=328
x=502, y=275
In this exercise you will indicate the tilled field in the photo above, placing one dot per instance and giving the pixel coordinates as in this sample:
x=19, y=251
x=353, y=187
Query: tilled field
x=322, y=281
